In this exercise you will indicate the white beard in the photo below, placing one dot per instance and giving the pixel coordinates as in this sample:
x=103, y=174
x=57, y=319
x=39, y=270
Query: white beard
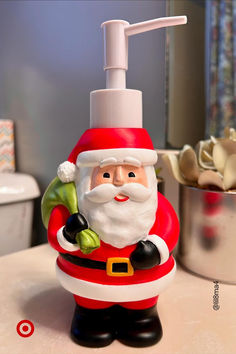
x=119, y=224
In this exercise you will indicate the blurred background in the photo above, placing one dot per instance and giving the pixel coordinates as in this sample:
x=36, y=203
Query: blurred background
x=51, y=57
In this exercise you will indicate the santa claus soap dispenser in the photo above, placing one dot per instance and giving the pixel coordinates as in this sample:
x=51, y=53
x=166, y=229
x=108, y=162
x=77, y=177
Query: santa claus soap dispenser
x=114, y=232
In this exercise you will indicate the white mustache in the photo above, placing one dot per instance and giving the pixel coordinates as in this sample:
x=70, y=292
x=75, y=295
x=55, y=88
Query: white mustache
x=106, y=192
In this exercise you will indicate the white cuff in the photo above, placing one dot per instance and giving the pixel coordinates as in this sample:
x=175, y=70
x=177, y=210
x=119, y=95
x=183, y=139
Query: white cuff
x=161, y=246
x=66, y=245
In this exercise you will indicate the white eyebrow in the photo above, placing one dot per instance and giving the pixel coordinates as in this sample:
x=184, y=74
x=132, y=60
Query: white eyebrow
x=132, y=161
x=108, y=161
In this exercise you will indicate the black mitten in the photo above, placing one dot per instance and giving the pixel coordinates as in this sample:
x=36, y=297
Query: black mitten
x=145, y=256
x=75, y=223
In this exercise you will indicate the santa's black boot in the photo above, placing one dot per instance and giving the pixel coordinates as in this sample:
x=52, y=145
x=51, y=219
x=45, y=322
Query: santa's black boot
x=92, y=328
x=139, y=328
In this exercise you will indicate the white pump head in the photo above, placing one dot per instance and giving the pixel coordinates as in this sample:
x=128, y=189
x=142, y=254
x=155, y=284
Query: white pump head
x=116, y=33
x=117, y=106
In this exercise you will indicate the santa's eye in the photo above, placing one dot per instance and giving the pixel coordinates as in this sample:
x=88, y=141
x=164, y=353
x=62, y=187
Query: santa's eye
x=131, y=174
x=106, y=175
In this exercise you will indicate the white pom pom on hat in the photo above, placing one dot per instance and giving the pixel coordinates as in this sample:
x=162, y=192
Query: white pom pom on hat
x=66, y=172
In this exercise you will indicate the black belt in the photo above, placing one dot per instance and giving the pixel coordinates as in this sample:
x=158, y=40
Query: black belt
x=84, y=262
x=114, y=266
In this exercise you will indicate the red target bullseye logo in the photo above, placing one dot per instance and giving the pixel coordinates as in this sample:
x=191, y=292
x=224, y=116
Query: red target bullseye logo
x=25, y=328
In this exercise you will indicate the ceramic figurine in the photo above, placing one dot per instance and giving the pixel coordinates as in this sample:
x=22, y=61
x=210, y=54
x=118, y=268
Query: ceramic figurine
x=114, y=232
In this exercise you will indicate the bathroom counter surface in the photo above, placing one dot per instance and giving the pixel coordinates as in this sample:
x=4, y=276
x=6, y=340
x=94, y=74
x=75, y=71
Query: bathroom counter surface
x=30, y=291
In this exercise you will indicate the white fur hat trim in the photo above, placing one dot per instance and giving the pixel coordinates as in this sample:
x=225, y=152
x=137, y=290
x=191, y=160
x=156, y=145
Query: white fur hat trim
x=66, y=172
x=130, y=156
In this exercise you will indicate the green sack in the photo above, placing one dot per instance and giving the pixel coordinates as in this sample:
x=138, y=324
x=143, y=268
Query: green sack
x=88, y=241
x=59, y=193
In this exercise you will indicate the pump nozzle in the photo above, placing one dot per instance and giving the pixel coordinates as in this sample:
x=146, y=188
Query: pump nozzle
x=116, y=34
x=117, y=106
x=145, y=26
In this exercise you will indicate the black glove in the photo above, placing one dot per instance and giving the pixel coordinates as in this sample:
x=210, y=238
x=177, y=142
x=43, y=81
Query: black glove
x=145, y=256
x=75, y=223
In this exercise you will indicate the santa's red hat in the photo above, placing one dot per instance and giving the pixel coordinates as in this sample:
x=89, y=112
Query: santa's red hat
x=103, y=146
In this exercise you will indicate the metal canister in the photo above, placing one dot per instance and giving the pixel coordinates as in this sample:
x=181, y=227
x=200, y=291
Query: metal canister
x=207, y=245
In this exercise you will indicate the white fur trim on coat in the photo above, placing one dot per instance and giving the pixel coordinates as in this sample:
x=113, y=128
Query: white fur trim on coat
x=66, y=245
x=114, y=293
x=128, y=156
x=66, y=172
x=161, y=246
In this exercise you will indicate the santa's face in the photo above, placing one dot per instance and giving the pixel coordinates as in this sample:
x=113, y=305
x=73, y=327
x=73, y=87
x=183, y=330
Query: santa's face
x=118, y=175
x=118, y=201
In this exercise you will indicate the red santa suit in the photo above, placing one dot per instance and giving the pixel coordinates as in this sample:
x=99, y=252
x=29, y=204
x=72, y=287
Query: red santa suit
x=96, y=283
x=91, y=278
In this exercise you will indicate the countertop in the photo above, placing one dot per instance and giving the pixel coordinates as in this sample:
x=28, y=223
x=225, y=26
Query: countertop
x=30, y=290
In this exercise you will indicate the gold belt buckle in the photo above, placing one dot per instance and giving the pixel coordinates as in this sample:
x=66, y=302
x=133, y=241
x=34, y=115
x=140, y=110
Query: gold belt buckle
x=110, y=271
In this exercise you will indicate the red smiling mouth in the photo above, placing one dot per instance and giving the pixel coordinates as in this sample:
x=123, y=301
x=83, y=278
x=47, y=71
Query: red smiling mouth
x=121, y=198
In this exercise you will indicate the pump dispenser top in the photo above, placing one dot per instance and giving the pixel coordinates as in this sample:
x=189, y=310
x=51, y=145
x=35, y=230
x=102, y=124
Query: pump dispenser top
x=117, y=106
